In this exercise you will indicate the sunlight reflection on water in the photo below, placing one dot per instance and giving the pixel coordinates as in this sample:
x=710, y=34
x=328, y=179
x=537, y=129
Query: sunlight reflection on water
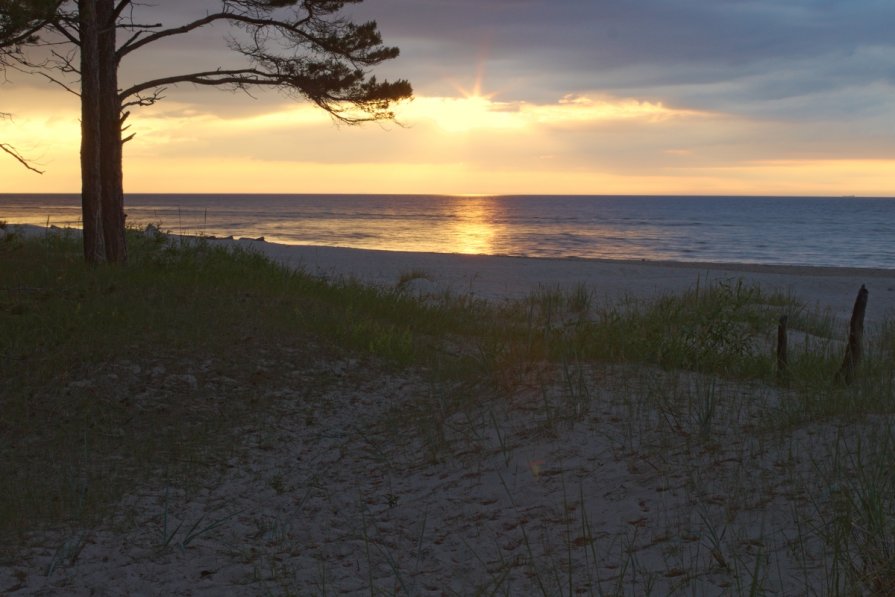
x=799, y=231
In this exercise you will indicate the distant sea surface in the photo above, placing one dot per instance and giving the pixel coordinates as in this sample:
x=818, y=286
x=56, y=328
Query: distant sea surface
x=844, y=232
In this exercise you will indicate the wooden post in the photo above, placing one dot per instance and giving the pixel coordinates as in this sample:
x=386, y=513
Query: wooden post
x=846, y=373
x=782, y=355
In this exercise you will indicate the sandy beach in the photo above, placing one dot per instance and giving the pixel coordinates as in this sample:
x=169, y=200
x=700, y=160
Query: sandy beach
x=497, y=277
x=613, y=487
x=611, y=281
x=495, y=298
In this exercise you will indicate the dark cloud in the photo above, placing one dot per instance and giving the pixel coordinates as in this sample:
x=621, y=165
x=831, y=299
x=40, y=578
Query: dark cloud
x=682, y=50
x=614, y=34
x=770, y=59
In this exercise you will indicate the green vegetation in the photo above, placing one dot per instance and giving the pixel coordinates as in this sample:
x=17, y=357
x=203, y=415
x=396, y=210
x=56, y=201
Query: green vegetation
x=83, y=349
x=116, y=375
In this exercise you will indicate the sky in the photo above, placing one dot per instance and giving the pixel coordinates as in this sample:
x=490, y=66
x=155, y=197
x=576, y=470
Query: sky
x=693, y=97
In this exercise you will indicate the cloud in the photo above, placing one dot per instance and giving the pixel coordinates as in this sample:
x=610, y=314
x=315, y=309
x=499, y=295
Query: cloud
x=717, y=93
x=736, y=56
x=532, y=48
x=476, y=113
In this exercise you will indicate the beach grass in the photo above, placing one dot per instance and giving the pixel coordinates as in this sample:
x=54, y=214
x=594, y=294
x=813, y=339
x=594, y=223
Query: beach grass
x=115, y=377
x=109, y=371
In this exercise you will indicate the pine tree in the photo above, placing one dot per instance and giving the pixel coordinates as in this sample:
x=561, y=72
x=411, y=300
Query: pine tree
x=303, y=47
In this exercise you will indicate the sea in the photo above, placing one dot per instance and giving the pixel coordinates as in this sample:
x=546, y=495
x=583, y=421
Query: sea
x=812, y=231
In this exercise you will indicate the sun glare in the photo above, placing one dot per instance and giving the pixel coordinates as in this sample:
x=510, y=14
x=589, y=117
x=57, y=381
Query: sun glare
x=472, y=141
x=474, y=111
x=462, y=114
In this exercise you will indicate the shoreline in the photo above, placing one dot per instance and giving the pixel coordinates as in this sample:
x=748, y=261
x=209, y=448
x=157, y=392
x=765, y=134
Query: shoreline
x=611, y=281
x=305, y=459
x=503, y=277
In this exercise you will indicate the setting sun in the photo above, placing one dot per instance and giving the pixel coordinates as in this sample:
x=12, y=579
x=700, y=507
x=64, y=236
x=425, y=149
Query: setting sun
x=462, y=114
x=514, y=297
x=485, y=121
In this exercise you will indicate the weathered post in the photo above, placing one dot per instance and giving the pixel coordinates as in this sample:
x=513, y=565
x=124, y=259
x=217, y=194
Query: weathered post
x=853, y=351
x=782, y=354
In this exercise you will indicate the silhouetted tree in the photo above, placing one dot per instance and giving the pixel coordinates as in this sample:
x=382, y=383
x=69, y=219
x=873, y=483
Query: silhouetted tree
x=12, y=151
x=302, y=47
x=20, y=20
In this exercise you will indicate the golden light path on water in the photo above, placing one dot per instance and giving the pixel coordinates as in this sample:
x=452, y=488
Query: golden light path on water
x=474, y=229
x=772, y=230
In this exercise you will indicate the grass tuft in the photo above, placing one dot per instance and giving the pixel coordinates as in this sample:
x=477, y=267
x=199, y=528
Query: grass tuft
x=115, y=377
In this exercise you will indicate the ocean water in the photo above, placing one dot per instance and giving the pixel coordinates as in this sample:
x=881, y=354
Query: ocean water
x=848, y=232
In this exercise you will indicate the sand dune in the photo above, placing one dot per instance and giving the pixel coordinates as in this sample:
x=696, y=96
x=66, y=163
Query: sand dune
x=617, y=487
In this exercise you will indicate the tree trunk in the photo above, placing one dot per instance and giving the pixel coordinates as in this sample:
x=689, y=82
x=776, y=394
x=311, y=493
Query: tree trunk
x=91, y=156
x=110, y=135
x=102, y=193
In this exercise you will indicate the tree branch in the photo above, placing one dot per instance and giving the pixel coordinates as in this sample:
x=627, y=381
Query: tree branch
x=24, y=26
x=12, y=151
x=120, y=9
x=245, y=76
x=52, y=79
x=294, y=28
x=132, y=44
x=67, y=29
